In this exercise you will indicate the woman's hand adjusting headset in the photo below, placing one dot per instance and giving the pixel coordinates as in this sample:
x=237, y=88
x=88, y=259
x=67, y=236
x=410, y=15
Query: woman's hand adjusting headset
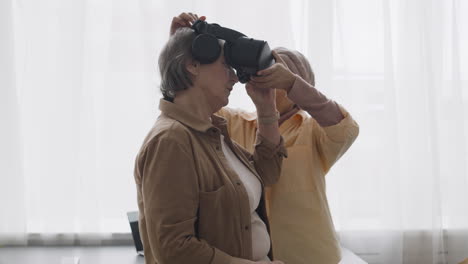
x=184, y=20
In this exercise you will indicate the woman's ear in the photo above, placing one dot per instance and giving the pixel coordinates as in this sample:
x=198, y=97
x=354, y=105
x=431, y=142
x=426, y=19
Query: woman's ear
x=193, y=67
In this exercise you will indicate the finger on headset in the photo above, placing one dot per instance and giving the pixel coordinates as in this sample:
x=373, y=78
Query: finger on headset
x=268, y=85
x=176, y=19
x=267, y=71
x=179, y=21
x=184, y=20
x=269, y=78
x=184, y=24
x=194, y=17
x=183, y=15
x=186, y=17
x=255, y=79
x=261, y=85
x=264, y=86
x=203, y=18
x=261, y=80
x=277, y=57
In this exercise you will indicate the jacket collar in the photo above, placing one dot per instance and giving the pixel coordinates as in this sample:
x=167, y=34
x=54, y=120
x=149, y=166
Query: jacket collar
x=183, y=115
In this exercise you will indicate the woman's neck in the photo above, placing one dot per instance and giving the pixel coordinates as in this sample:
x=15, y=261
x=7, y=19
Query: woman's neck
x=198, y=107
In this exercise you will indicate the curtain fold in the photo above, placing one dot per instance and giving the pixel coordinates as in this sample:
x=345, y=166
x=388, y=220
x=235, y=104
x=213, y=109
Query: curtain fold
x=12, y=188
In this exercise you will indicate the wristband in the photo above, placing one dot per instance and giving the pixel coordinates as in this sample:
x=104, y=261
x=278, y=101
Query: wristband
x=265, y=120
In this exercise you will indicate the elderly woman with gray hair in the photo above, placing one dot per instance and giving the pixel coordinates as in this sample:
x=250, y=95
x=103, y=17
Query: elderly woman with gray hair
x=200, y=194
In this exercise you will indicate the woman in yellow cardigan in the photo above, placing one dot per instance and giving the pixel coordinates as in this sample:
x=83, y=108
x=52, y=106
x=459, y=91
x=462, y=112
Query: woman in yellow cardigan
x=317, y=132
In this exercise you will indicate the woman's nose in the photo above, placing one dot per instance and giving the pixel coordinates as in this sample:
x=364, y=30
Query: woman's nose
x=233, y=76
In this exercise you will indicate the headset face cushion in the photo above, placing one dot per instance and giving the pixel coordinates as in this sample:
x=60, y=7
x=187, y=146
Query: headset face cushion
x=206, y=48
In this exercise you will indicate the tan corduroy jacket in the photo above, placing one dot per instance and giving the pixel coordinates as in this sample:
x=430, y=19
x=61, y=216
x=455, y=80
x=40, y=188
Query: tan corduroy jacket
x=193, y=207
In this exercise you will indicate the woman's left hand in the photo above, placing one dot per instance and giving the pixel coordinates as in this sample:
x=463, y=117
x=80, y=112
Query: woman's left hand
x=184, y=20
x=264, y=99
x=277, y=76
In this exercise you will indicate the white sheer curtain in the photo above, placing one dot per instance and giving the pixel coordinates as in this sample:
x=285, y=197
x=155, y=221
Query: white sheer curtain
x=79, y=90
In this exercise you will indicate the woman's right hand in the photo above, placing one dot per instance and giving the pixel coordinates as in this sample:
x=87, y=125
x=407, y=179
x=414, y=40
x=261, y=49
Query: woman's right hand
x=277, y=76
x=263, y=99
x=184, y=20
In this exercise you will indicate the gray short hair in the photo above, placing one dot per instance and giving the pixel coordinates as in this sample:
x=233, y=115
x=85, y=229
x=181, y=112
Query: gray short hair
x=172, y=63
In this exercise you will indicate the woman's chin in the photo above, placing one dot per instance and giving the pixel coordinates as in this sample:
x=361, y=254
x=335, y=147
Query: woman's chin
x=226, y=103
x=221, y=105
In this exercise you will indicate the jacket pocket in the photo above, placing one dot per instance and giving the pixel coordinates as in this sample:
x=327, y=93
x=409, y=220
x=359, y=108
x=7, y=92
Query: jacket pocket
x=212, y=215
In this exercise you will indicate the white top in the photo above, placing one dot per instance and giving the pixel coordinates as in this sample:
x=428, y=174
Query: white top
x=260, y=236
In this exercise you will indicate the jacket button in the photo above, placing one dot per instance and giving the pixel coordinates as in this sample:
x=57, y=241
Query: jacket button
x=238, y=183
x=246, y=227
x=217, y=147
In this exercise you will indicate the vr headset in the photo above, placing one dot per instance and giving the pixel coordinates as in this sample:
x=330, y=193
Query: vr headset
x=246, y=55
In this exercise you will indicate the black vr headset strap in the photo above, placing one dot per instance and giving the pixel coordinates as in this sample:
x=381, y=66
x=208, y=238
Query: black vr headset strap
x=202, y=27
